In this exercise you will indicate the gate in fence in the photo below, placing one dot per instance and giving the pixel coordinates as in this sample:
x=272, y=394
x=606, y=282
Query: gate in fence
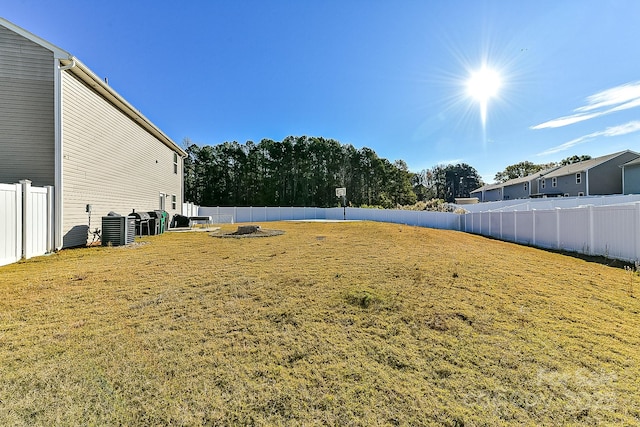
x=26, y=221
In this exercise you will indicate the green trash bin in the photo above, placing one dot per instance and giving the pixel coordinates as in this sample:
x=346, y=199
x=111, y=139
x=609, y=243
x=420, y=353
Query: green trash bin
x=160, y=219
x=164, y=221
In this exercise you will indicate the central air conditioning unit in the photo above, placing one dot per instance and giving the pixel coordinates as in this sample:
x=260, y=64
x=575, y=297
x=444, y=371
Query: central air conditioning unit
x=118, y=230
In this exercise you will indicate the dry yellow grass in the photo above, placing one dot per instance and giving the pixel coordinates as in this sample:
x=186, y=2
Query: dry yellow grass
x=328, y=324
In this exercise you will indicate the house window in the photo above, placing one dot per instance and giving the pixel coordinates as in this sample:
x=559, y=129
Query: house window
x=554, y=182
x=175, y=163
x=578, y=178
x=173, y=202
x=566, y=194
x=543, y=183
x=526, y=187
x=580, y=194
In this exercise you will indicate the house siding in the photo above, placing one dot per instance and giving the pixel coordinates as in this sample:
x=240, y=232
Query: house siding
x=27, y=110
x=632, y=179
x=567, y=184
x=493, y=195
x=607, y=177
x=515, y=191
x=109, y=162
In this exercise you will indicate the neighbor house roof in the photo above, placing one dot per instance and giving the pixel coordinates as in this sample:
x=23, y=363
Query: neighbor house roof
x=584, y=165
x=95, y=82
x=633, y=162
x=486, y=187
x=515, y=181
x=529, y=177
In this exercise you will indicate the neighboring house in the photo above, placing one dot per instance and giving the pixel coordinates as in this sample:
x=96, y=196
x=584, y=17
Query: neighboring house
x=599, y=176
x=517, y=188
x=62, y=125
x=532, y=182
x=488, y=193
x=631, y=177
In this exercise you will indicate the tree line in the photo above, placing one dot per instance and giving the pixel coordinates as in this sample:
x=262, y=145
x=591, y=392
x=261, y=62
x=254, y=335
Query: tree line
x=305, y=171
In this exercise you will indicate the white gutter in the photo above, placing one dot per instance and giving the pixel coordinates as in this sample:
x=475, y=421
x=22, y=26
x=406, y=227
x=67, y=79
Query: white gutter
x=586, y=175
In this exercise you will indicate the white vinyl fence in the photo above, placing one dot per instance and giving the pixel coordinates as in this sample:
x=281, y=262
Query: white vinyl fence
x=551, y=203
x=443, y=220
x=26, y=221
x=612, y=231
x=190, y=209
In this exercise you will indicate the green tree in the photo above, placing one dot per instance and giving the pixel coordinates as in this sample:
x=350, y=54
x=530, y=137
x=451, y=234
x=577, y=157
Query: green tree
x=302, y=171
x=450, y=181
x=519, y=170
x=574, y=159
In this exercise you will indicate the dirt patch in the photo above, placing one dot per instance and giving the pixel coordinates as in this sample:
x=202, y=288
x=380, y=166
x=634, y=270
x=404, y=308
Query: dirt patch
x=258, y=233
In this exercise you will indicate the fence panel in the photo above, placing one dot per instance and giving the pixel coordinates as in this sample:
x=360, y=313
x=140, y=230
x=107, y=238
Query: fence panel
x=36, y=223
x=524, y=231
x=496, y=224
x=546, y=228
x=485, y=223
x=574, y=230
x=10, y=223
x=615, y=231
x=508, y=226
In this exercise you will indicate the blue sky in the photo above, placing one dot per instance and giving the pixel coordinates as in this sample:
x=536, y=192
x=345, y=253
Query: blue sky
x=389, y=75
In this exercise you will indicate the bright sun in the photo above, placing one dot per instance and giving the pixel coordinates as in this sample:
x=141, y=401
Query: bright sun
x=482, y=85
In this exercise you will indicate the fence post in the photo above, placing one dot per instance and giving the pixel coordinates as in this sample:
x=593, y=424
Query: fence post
x=590, y=231
x=18, y=212
x=533, y=221
x=50, y=218
x=26, y=222
x=558, y=228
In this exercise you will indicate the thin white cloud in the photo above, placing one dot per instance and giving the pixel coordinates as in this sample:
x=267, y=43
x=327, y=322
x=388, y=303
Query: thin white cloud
x=614, y=96
x=566, y=120
x=627, y=128
x=608, y=101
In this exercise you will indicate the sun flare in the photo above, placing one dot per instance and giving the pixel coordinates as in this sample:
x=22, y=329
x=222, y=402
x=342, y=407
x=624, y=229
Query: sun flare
x=483, y=85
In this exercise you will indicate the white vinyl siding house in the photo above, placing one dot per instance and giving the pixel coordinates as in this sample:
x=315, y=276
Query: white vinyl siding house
x=122, y=169
x=73, y=131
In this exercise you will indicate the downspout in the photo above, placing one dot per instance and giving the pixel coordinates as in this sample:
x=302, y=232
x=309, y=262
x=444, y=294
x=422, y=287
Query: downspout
x=58, y=150
x=586, y=177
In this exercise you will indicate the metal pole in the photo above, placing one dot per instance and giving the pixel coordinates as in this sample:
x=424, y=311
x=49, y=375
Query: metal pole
x=344, y=208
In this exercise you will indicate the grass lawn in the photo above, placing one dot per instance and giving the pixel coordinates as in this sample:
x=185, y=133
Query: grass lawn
x=328, y=324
